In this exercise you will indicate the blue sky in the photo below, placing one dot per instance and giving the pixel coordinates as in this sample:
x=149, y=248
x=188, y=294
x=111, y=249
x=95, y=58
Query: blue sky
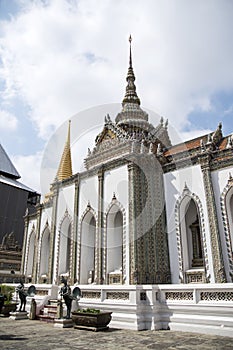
x=59, y=57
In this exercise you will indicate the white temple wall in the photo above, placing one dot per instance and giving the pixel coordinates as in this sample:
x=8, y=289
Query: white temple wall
x=88, y=192
x=65, y=202
x=174, y=184
x=46, y=216
x=116, y=181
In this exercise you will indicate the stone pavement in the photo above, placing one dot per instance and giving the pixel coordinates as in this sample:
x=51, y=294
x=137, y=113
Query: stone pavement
x=36, y=335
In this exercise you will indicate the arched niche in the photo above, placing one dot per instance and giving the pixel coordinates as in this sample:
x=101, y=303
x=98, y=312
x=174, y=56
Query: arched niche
x=114, y=245
x=44, y=253
x=87, y=248
x=31, y=251
x=226, y=201
x=64, y=251
x=191, y=239
x=192, y=245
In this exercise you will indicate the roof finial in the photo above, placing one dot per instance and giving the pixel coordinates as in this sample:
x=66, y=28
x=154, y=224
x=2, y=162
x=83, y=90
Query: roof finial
x=130, y=53
x=130, y=95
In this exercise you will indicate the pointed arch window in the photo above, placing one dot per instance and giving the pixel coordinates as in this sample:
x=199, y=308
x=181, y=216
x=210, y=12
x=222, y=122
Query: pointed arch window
x=31, y=250
x=191, y=241
x=88, y=249
x=114, y=245
x=64, y=247
x=44, y=253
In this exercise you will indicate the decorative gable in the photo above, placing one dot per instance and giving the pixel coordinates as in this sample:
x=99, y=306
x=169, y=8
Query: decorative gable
x=105, y=135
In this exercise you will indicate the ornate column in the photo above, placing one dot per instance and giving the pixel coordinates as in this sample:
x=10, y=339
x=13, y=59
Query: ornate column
x=26, y=222
x=132, y=225
x=36, y=247
x=55, y=194
x=74, y=238
x=99, y=249
x=218, y=265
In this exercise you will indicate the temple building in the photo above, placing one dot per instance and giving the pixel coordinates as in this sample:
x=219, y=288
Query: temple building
x=143, y=212
x=15, y=200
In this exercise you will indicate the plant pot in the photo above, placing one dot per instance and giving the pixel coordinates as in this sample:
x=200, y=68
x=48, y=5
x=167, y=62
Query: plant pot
x=7, y=308
x=91, y=321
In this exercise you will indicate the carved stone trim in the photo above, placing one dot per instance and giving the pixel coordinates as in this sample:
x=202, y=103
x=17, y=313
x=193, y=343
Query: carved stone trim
x=216, y=296
x=35, y=259
x=117, y=295
x=217, y=256
x=91, y=295
x=187, y=193
x=74, y=238
x=179, y=296
x=226, y=226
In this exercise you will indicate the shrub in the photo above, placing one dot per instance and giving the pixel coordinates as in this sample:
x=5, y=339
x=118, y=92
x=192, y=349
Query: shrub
x=7, y=291
x=89, y=311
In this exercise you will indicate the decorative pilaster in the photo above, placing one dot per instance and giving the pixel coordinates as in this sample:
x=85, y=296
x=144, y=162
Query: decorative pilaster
x=73, y=276
x=218, y=265
x=26, y=223
x=158, y=252
x=149, y=257
x=36, y=247
x=132, y=225
x=53, y=233
x=99, y=272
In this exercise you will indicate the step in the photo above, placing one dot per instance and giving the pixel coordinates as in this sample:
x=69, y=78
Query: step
x=50, y=306
x=46, y=318
x=49, y=311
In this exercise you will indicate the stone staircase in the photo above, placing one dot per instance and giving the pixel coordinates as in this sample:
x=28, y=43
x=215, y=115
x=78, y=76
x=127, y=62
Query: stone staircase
x=49, y=312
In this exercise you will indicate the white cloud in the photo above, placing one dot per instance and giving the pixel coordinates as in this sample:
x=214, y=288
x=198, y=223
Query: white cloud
x=63, y=56
x=188, y=135
x=7, y=121
x=60, y=57
x=229, y=110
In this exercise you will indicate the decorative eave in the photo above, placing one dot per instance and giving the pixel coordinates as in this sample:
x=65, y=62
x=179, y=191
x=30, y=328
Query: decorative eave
x=188, y=153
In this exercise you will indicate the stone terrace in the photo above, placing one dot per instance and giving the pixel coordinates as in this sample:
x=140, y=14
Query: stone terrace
x=34, y=335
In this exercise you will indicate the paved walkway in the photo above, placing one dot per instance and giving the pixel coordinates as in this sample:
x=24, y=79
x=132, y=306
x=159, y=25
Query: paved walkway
x=36, y=335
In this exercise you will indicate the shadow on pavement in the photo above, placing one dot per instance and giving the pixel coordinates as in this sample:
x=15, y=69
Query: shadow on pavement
x=10, y=337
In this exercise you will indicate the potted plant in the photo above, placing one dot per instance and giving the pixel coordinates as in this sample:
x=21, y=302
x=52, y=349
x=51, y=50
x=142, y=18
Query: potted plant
x=91, y=319
x=8, y=306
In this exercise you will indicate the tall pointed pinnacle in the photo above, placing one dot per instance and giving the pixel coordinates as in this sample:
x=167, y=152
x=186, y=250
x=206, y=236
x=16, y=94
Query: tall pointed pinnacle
x=130, y=94
x=131, y=114
x=65, y=166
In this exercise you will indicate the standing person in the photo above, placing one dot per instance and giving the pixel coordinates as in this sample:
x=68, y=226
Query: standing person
x=22, y=295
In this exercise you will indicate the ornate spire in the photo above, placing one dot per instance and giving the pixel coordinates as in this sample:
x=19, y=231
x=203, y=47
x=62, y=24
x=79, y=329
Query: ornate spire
x=131, y=113
x=130, y=94
x=65, y=167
